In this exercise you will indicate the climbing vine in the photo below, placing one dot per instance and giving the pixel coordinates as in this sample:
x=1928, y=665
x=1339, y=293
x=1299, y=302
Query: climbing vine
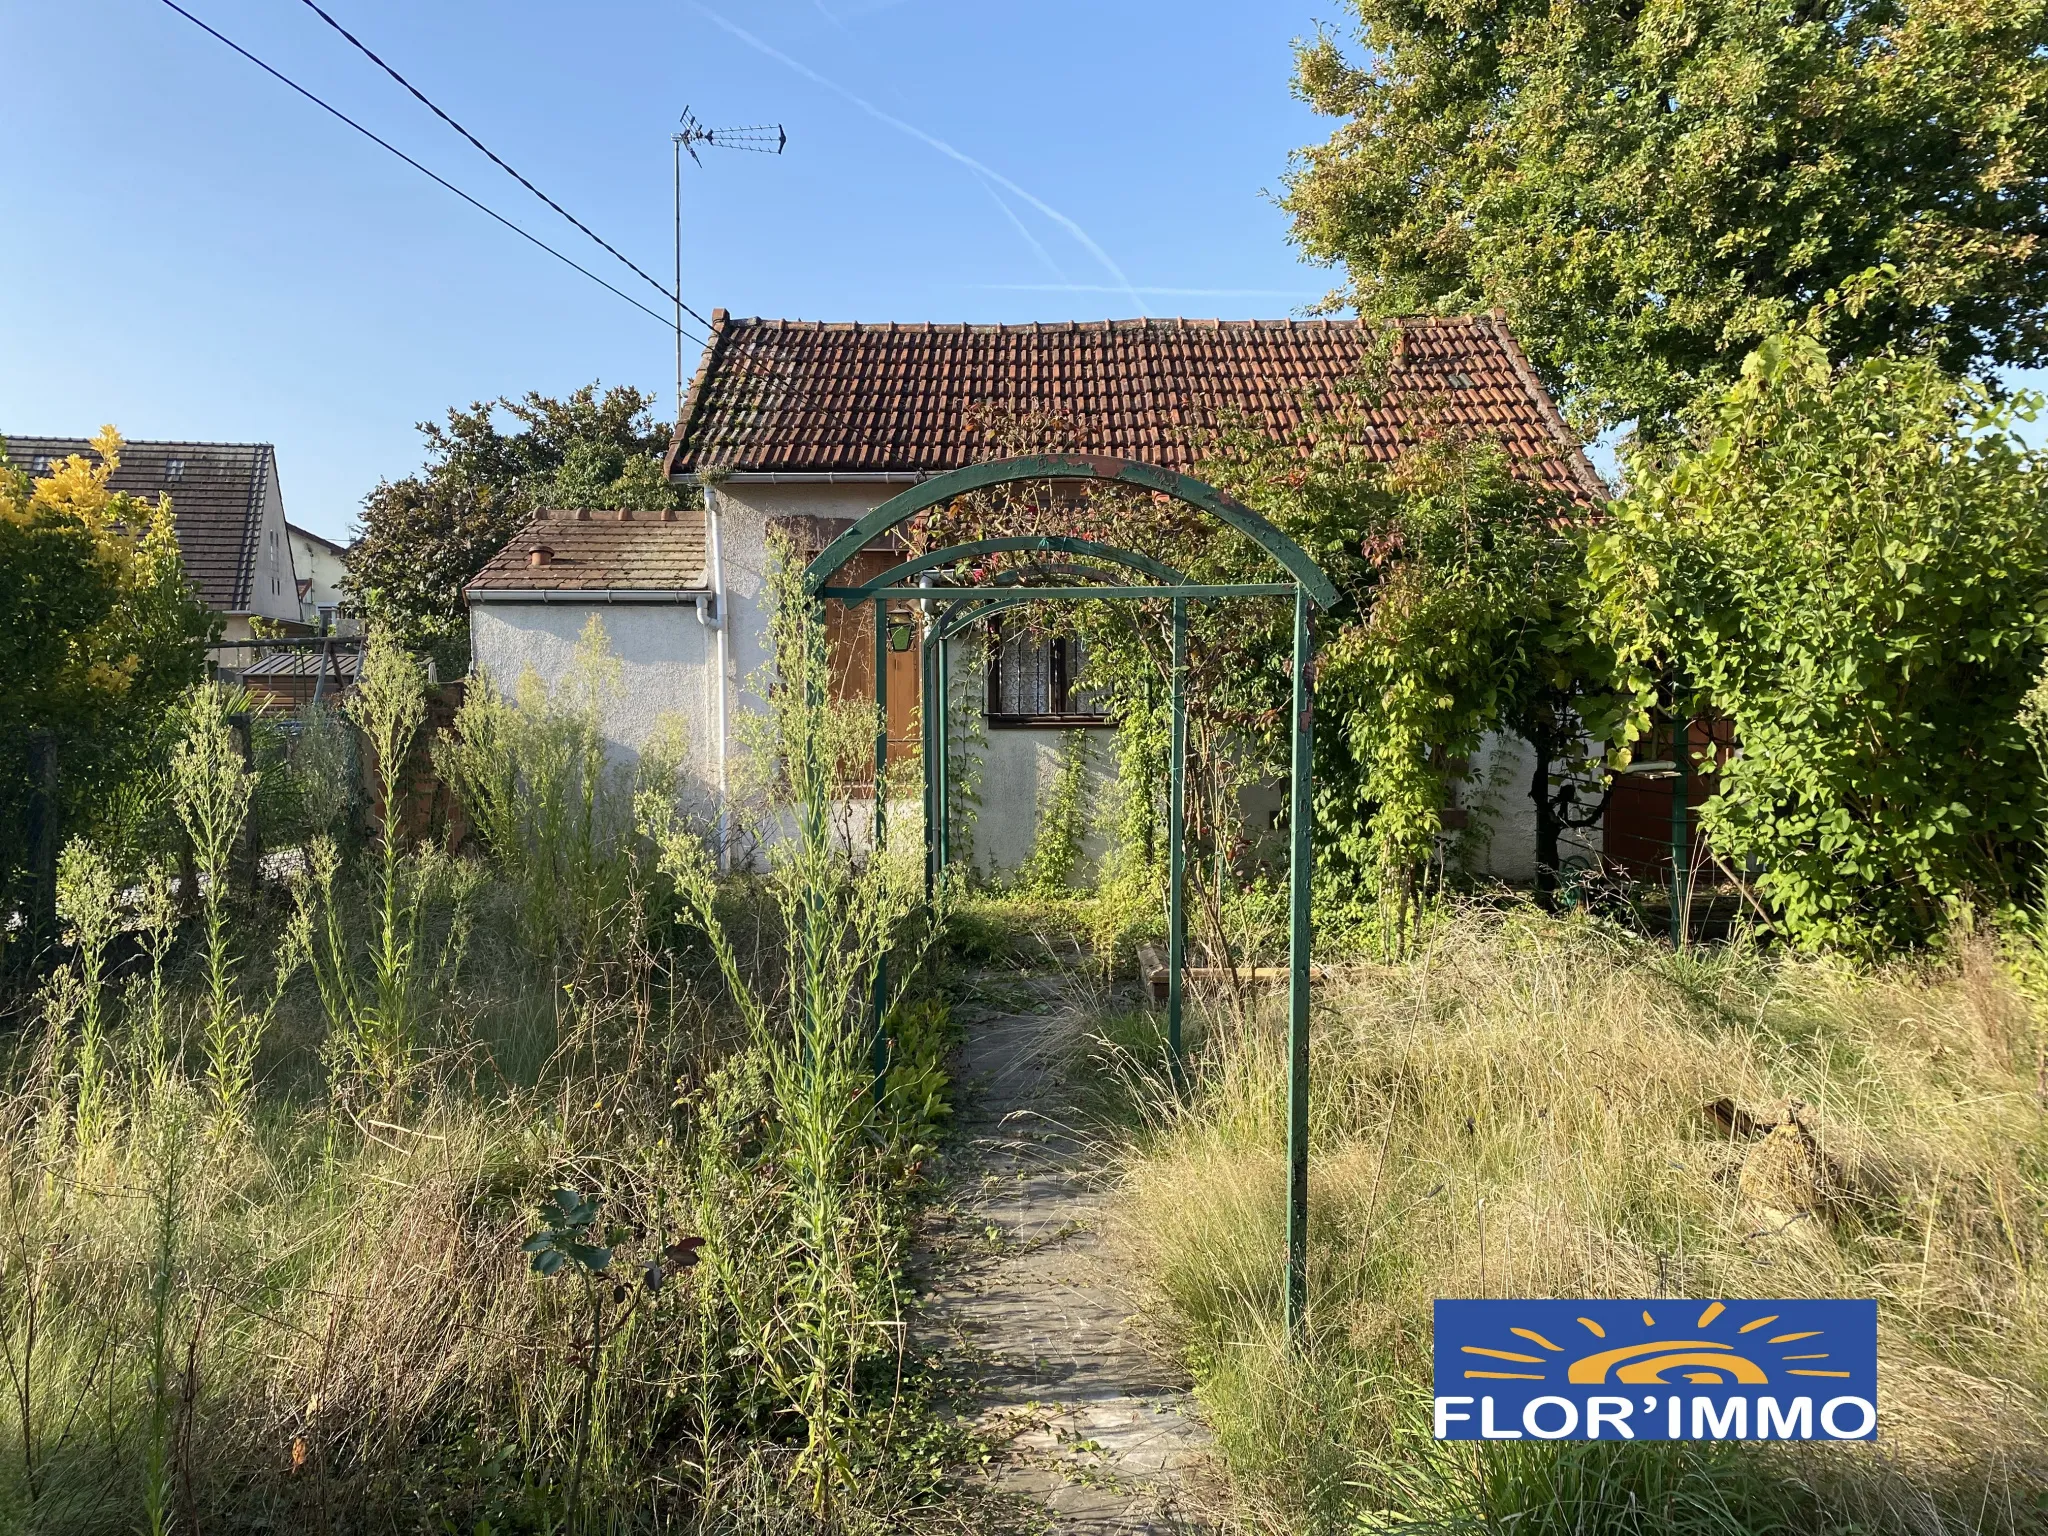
x=1062, y=818
x=1461, y=613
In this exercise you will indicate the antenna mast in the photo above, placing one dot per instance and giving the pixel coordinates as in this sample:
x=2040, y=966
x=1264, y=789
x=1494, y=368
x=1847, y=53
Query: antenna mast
x=758, y=139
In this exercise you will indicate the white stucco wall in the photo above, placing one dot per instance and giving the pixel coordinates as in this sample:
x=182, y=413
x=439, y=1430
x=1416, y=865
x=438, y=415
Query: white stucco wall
x=1018, y=767
x=664, y=668
x=316, y=561
x=1501, y=770
x=668, y=660
x=744, y=515
x=274, y=586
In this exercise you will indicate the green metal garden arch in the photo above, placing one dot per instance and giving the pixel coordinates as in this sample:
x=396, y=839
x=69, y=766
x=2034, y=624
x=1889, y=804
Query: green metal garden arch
x=963, y=605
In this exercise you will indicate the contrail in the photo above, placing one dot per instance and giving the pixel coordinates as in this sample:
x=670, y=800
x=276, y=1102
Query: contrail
x=1080, y=235
x=1024, y=231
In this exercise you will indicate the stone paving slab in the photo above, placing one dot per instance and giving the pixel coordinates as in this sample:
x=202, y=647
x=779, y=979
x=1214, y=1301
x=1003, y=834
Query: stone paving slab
x=1026, y=1308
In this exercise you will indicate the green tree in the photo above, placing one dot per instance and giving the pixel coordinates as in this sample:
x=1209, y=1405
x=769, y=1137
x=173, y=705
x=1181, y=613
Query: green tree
x=1462, y=617
x=1649, y=189
x=425, y=536
x=1850, y=562
x=99, y=635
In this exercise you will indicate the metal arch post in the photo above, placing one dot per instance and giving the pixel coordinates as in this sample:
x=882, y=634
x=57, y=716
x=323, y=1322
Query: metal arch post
x=1061, y=466
x=1308, y=583
x=878, y=1047
x=1300, y=939
x=1681, y=834
x=942, y=737
x=924, y=720
x=1176, y=837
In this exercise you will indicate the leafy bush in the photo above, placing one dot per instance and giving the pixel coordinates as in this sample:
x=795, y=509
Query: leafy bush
x=1851, y=564
x=99, y=635
x=549, y=802
x=426, y=534
x=1061, y=819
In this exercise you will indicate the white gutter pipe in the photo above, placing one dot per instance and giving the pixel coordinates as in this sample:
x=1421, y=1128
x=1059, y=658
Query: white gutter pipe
x=697, y=596
x=717, y=621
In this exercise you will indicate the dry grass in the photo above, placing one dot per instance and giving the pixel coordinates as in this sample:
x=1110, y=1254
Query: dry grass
x=1519, y=1112
x=352, y=1337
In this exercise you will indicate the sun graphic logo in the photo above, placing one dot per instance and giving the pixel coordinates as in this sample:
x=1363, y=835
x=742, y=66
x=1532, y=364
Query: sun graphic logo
x=1662, y=1369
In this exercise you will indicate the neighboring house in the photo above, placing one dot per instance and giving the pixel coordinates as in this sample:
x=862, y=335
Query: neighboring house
x=229, y=512
x=321, y=572
x=646, y=574
x=802, y=427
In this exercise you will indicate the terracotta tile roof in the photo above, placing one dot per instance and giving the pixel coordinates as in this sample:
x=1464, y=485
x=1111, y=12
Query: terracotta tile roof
x=600, y=551
x=801, y=397
x=217, y=492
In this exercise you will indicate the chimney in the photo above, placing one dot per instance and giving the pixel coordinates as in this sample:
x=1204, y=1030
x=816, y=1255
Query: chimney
x=540, y=554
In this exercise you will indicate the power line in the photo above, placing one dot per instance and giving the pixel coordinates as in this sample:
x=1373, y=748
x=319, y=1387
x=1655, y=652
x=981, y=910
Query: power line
x=797, y=390
x=440, y=180
x=422, y=98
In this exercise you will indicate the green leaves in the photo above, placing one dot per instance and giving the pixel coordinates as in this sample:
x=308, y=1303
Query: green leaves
x=569, y=1235
x=1648, y=190
x=1853, y=567
x=427, y=534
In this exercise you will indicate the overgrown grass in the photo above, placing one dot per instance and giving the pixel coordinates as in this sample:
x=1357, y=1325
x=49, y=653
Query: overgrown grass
x=1519, y=1111
x=473, y=1233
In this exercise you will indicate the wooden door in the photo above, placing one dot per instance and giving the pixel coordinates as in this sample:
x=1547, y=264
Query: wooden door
x=850, y=637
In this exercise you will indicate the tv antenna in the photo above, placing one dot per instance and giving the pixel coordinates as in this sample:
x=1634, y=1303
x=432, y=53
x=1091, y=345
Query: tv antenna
x=756, y=139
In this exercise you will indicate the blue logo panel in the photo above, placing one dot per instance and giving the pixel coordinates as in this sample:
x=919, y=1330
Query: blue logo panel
x=1656, y=1370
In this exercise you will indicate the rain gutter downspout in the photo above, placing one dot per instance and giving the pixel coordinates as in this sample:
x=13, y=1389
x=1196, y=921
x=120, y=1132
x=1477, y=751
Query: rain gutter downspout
x=718, y=624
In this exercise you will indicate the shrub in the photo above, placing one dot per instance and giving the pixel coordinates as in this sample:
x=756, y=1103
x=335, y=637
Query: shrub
x=1851, y=564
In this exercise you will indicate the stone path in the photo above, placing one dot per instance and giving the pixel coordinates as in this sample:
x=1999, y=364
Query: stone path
x=1025, y=1308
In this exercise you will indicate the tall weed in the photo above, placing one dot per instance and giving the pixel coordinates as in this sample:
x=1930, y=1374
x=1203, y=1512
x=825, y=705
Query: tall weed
x=86, y=902
x=842, y=910
x=212, y=788
x=379, y=1009
x=535, y=775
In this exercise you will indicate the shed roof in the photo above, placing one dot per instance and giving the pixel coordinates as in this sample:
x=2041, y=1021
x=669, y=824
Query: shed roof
x=600, y=551
x=217, y=493
x=805, y=397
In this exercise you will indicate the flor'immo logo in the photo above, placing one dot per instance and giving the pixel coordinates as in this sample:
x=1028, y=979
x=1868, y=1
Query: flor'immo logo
x=1661, y=1369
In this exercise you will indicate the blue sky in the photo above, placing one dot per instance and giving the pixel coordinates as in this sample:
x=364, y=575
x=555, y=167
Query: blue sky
x=198, y=253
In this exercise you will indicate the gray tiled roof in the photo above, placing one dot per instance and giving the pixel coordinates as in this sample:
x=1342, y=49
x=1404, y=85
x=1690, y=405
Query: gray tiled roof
x=601, y=551
x=217, y=493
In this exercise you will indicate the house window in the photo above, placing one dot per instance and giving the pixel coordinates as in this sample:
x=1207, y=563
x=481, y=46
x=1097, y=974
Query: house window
x=1034, y=679
x=174, y=469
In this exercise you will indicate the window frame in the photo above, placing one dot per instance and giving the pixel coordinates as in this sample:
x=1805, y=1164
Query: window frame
x=1059, y=685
